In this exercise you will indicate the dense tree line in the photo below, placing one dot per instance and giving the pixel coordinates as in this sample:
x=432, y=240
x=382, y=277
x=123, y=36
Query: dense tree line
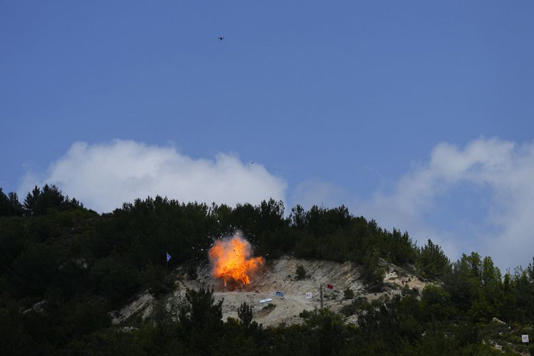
x=64, y=267
x=38, y=202
x=408, y=325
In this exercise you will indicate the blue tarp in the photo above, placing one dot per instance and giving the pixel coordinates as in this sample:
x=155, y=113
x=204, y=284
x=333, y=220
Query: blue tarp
x=279, y=294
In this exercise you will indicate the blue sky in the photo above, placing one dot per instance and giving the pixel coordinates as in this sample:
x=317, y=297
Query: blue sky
x=334, y=103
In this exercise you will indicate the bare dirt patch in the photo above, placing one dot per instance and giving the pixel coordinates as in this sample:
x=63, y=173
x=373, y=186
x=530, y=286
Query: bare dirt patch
x=280, y=276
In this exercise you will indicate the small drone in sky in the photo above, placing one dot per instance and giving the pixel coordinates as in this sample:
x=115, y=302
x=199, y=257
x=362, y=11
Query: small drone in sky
x=220, y=37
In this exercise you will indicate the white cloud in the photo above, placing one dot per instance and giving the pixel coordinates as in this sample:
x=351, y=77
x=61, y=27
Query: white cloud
x=503, y=168
x=103, y=176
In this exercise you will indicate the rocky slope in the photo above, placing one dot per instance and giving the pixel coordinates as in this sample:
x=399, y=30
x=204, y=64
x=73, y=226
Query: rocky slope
x=277, y=276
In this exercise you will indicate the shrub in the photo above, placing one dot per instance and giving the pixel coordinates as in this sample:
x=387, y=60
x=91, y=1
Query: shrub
x=301, y=272
x=348, y=309
x=245, y=314
x=192, y=272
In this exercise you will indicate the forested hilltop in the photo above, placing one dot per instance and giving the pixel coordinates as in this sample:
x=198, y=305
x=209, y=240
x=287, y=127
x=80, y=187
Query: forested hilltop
x=63, y=268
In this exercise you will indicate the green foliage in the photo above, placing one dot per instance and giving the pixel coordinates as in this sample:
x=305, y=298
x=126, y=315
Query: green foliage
x=432, y=261
x=192, y=272
x=157, y=280
x=436, y=304
x=201, y=318
x=348, y=293
x=32, y=272
x=41, y=201
x=269, y=307
x=201, y=309
x=245, y=314
x=9, y=205
x=63, y=268
x=117, y=281
x=300, y=272
x=328, y=331
x=358, y=305
x=372, y=271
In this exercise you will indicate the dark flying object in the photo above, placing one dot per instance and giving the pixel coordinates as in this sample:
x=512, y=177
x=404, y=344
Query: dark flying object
x=220, y=37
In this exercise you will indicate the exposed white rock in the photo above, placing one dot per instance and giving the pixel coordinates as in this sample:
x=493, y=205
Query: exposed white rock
x=142, y=304
x=277, y=275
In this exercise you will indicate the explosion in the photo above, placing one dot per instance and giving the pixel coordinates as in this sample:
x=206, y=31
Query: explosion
x=231, y=260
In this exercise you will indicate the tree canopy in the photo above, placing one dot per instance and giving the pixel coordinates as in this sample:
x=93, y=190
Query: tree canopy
x=63, y=268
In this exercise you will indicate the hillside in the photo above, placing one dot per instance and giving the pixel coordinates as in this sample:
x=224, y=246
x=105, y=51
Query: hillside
x=279, y=275
x=138, y=281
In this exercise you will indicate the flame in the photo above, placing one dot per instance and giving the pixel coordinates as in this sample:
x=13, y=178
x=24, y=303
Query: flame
x=231, y=260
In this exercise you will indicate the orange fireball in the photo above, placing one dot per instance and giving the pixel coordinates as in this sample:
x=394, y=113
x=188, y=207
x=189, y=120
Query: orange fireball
x=231, y=260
